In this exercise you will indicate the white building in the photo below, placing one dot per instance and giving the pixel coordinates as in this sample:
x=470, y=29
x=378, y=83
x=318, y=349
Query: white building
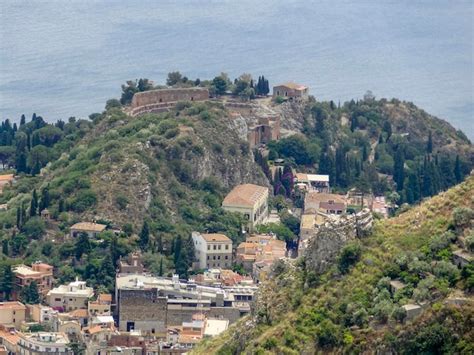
x=212, y=250
x=69, y=297
x=43, y=343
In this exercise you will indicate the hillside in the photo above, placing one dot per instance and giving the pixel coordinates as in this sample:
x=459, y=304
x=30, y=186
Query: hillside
x=158, y=177
x=353, y=310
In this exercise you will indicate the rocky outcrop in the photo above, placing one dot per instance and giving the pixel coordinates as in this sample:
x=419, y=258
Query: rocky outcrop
x=324, y=247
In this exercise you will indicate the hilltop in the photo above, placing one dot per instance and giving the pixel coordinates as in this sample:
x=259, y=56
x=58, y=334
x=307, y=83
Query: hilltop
x=298, y=311
x=159, y=176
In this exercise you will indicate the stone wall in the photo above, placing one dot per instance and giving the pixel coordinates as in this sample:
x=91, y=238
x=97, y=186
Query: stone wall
x=325, y=245
x=169, y=95
x=143, y=307
x=162, y=100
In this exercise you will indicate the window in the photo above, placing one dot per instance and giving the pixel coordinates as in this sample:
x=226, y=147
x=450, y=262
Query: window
x=219, y=247
x=213, y=257
x=208, y=257
x=208, y=247
x=227, y=247
x=226, y=257
x=218, y=257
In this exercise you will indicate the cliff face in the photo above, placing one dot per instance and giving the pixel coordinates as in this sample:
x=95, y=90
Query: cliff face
x=324, y=247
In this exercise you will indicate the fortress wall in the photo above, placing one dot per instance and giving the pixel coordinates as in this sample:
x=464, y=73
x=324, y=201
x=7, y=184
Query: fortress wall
x=169, y=95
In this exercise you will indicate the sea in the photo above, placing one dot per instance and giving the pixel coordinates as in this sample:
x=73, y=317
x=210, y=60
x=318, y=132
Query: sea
x=65, y=58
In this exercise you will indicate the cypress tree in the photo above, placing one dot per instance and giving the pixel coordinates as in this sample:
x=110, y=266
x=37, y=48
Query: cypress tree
x=427, y=186
x=61, y=206
x=429, y=144
x=6, y=281
x=34, y=204
x=18, y=217
x=398, y=168
x=177, y=250
x=22, y=120
x=365, y=154
x=144, y=236
x=5, y=250
x=287, y=180
x=82, y=245
x=45, y=198
x=160, y=273
x=23, y=213
x=457, y=170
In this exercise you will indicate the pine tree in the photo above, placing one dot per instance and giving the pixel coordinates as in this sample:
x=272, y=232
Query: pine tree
x=144, y=236
x=22, y=120
x=34, y=204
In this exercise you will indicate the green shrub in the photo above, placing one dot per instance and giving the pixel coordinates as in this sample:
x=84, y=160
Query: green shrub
x=121, y=201
x=349, y=256
x=84, y=199
x=34, y=228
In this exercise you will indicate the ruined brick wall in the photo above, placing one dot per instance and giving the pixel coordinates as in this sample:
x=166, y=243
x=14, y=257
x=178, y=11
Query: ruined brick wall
x=144, y=307
x=324, y=246
x=153, y=97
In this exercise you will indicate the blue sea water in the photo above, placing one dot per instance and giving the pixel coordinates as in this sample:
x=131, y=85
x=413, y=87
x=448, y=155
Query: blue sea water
x=66, y=58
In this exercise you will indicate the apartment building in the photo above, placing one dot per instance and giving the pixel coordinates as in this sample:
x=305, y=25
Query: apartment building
x=70, y=297
x=212, y=250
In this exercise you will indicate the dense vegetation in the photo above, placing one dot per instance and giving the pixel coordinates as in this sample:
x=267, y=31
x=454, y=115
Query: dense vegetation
x=352, y=308
x=370, y=145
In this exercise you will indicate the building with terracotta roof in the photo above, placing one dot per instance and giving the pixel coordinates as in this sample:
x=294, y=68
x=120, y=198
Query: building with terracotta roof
x=40, y=273
x=316, y=202
x=212, y=250
x=12, y=313
x=101, y=306
x=90, y=228
x=291, y=91
x=259, y=248
x=9, y=338
x=251, y=201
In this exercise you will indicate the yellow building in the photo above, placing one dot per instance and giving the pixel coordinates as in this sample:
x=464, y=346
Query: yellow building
x=12, y=314
x=249, y=200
